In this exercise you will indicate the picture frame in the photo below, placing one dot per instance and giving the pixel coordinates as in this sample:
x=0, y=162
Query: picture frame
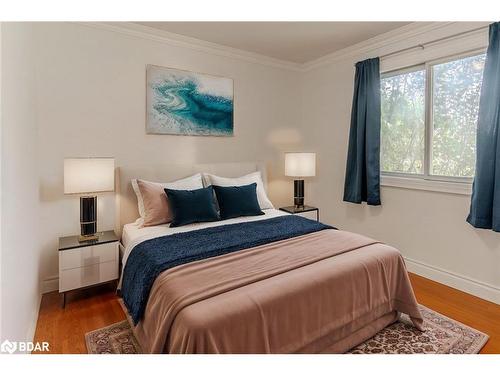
x=181, y=102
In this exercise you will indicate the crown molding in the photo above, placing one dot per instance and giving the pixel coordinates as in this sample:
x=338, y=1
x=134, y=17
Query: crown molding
x=388, y=42
x=161, y=36
x=384, y=40
x=381, y=44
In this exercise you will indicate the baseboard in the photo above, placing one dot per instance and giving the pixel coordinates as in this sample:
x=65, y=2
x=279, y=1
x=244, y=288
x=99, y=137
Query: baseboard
x=30, y=333
x=50, y=284
x=466, y=284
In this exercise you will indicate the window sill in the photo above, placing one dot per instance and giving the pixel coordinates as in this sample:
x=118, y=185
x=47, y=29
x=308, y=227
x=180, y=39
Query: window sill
x=463, y=188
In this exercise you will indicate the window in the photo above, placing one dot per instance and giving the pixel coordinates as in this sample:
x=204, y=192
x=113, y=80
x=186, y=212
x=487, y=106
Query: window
x=403, y=122
x=429, y=119
x=455, y=105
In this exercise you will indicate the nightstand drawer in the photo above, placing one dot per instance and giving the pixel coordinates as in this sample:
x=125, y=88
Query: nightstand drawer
x=94, y=274
x=87, y=256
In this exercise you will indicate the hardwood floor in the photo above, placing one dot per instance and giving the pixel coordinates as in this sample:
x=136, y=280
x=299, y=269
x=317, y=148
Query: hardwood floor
x=90, y=309
x=86, y=310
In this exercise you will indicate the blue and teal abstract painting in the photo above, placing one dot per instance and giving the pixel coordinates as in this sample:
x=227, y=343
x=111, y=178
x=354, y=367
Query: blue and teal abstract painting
x=186, y=103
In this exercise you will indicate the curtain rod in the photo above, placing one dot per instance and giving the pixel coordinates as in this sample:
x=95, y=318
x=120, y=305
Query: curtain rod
x=423, y=45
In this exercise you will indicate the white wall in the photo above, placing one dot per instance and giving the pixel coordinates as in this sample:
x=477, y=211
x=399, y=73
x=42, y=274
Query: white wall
x=91, y=102
x=428, y=227
x=19, y=199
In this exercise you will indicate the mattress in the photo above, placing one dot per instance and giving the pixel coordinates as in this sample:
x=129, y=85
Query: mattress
x=135, y=233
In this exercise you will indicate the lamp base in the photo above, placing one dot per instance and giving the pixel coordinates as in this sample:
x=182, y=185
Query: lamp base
x=88, y=218
x=298, y=193
x=92, y=237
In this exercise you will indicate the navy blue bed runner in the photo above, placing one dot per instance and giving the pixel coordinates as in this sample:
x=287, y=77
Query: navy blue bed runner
x=150, y=258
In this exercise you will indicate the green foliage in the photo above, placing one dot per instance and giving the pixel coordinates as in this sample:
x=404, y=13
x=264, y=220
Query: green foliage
x=455, y=98
x=403, y=122
x=457, y=86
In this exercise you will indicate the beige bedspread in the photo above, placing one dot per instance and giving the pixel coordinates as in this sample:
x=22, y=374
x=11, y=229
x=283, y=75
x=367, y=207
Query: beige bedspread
x=325, y=291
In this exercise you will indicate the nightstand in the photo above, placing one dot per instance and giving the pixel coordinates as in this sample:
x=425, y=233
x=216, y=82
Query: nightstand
x=85, y=264
x=305, y=211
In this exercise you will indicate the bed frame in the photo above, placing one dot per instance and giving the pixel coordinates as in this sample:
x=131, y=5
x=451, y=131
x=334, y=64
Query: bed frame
x=126, y=201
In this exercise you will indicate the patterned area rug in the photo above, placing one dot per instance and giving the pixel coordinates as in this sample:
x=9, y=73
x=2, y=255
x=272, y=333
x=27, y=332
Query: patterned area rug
x=442, y=336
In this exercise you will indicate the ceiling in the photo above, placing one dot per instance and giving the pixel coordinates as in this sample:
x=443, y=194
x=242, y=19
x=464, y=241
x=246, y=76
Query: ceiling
x=297, y=42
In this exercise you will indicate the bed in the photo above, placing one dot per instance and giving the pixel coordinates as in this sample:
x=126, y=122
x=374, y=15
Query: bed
x=288, y=285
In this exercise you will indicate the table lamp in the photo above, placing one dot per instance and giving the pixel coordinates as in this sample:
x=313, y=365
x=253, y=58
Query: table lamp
x=299, y=164
x=87, y=176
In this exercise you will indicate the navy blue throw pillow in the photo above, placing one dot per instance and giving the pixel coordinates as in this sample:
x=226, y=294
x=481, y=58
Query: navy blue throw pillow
x=235, y=201
x=192, y=206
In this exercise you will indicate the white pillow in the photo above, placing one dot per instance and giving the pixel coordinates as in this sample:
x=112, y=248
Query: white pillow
x=248, y=179
x=189, y=183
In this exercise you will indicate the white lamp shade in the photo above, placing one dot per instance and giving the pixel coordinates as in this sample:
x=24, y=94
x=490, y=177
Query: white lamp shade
x=300, y=164
x=89, y=175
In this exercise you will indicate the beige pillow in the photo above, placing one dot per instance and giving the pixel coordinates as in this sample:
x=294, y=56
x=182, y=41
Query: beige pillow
x=155, y=203
x=152, y=201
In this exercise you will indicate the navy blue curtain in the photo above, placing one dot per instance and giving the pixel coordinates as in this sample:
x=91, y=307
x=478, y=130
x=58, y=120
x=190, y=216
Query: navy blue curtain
x=485, y=202
x=362, y=178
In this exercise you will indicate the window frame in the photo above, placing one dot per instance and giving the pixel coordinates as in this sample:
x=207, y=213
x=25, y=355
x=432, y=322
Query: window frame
x=457, y=184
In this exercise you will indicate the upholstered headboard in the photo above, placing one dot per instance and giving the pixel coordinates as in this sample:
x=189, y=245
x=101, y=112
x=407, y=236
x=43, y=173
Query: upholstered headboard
x=126, y=201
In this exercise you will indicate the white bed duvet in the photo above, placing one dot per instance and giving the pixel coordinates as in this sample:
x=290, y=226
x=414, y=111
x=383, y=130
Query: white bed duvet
x=133, y=233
